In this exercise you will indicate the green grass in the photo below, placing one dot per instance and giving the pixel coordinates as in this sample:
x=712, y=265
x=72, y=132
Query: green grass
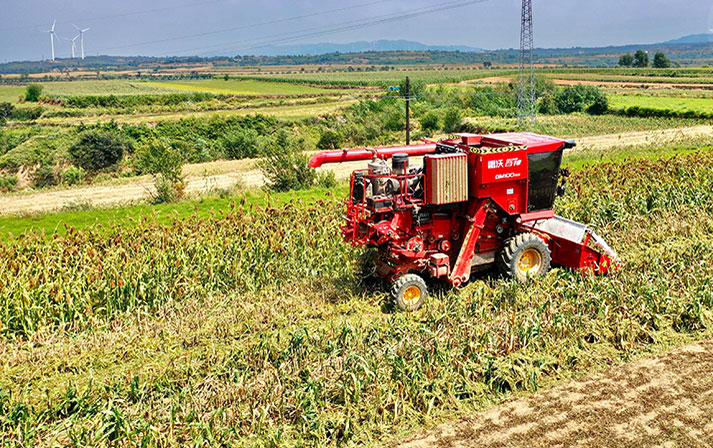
x=676, y=104
x=11, y=94
x=242, y=87
x=101, y=88
x=584, y=125
x=383, y=78
x=59, y=222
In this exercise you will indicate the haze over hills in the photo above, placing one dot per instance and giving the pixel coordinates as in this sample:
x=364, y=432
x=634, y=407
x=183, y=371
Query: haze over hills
x=689, y=50
x=692, y=39
x=355, y=47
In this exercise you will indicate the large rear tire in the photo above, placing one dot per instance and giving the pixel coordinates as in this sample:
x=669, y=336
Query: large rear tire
x=409, y=292
x=523, y=257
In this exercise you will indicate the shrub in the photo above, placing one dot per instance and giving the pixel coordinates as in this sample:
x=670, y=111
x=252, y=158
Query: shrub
x=33, y=92
x=6, y=112
x=452, y=120
x=240, y=144
x=98, y=150
x=164, y=162
x=546, y=104
x=45, y=175
x=599, y=106
x=578, y=98
x=27, y=113
x=8, y=183
x=285, y=165
x=73, y=175
x=330, y=139
x=430, y=121
x=395, y=120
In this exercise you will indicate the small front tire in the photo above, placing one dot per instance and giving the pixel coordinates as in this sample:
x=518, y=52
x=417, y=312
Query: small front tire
x=409, y=292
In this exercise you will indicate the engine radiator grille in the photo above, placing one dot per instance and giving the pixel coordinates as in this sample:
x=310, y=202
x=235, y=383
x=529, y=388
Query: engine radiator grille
x=447, y=178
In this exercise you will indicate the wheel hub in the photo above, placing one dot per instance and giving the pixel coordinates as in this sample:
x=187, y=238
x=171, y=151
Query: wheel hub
x=412, y=294
x=530, y=261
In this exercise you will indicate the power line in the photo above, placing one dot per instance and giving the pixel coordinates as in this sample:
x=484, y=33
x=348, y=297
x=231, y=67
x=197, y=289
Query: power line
x=113, y=16
x=352, y=25
x=251, y=25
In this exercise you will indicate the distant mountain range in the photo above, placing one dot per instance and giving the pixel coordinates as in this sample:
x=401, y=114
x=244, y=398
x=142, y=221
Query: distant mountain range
x=692, y=39
x=355, y=47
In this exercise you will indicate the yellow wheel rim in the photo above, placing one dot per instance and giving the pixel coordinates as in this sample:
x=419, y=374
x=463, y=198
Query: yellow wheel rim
x=412, y=295
x=530, y=262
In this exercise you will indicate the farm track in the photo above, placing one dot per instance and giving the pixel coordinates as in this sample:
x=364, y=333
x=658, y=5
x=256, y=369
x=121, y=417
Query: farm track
x=664, y=401
x=208, y=177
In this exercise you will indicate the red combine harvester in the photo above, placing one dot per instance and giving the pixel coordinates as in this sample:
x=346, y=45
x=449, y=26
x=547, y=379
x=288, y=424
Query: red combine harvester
x=477, y=201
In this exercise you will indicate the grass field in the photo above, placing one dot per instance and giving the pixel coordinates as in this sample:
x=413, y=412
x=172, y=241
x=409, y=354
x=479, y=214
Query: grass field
x=242, y=87
x=10, y=94
x=676, y=104
x=384, y=78
x=582, y=125
x=102, y=87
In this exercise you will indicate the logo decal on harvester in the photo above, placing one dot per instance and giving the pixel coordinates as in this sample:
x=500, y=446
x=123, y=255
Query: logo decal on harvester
x=506, y=176
x=504, y=163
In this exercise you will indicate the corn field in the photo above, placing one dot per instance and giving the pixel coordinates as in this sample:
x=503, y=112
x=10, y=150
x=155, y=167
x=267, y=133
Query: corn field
x=250, y=328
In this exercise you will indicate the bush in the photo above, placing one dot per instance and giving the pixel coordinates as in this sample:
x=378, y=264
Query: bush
x=33, y=93
x=98, y=150
x=578, y=98
x=73, y=175
x=6, y=112
x=27, y=113
x=330, y=139
x=599, y=106
x=240, y=144
x=164, y=162
x=395, y=120
x=430, y=121
x=45, y=175
x=546, y=104
x=285, y=165
x=8, y=183
x=452, y=120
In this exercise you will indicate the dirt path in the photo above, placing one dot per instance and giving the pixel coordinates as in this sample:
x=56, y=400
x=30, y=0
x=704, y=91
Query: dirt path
x=665, y=401
x=205, y=178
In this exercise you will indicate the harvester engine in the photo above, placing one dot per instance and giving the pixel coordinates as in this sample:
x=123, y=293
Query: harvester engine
x=475, y=201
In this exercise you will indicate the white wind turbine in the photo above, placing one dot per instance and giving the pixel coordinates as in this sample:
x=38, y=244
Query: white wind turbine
x=74, y=45
x=81, y=37
x=52, y=35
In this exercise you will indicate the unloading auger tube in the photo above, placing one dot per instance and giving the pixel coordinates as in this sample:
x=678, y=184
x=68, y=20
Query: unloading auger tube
x=475, y=202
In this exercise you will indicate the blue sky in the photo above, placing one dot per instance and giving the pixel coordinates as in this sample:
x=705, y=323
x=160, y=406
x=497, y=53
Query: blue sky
x=205, y=27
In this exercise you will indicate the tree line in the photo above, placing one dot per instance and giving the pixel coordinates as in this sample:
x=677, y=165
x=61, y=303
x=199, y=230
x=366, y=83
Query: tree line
x=640, y=59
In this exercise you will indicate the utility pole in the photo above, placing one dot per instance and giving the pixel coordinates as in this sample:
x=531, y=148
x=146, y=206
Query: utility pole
x=408, y=118
x=526, y=97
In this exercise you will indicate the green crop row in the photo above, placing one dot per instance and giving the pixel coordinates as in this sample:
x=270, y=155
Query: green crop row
x=278, y=342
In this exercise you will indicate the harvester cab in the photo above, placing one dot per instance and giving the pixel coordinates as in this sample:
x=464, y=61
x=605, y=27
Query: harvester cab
x=476, y=201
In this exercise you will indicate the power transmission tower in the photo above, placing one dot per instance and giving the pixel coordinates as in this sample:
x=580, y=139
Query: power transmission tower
x=526, y=98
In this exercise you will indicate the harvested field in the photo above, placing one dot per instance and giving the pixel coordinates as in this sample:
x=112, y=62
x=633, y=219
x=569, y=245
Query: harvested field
x=664, y=401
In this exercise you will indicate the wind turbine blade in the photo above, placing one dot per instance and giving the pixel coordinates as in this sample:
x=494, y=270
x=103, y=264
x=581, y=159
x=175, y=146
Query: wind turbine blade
x=76, y=27
x=53, y=24
x=86, y=29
